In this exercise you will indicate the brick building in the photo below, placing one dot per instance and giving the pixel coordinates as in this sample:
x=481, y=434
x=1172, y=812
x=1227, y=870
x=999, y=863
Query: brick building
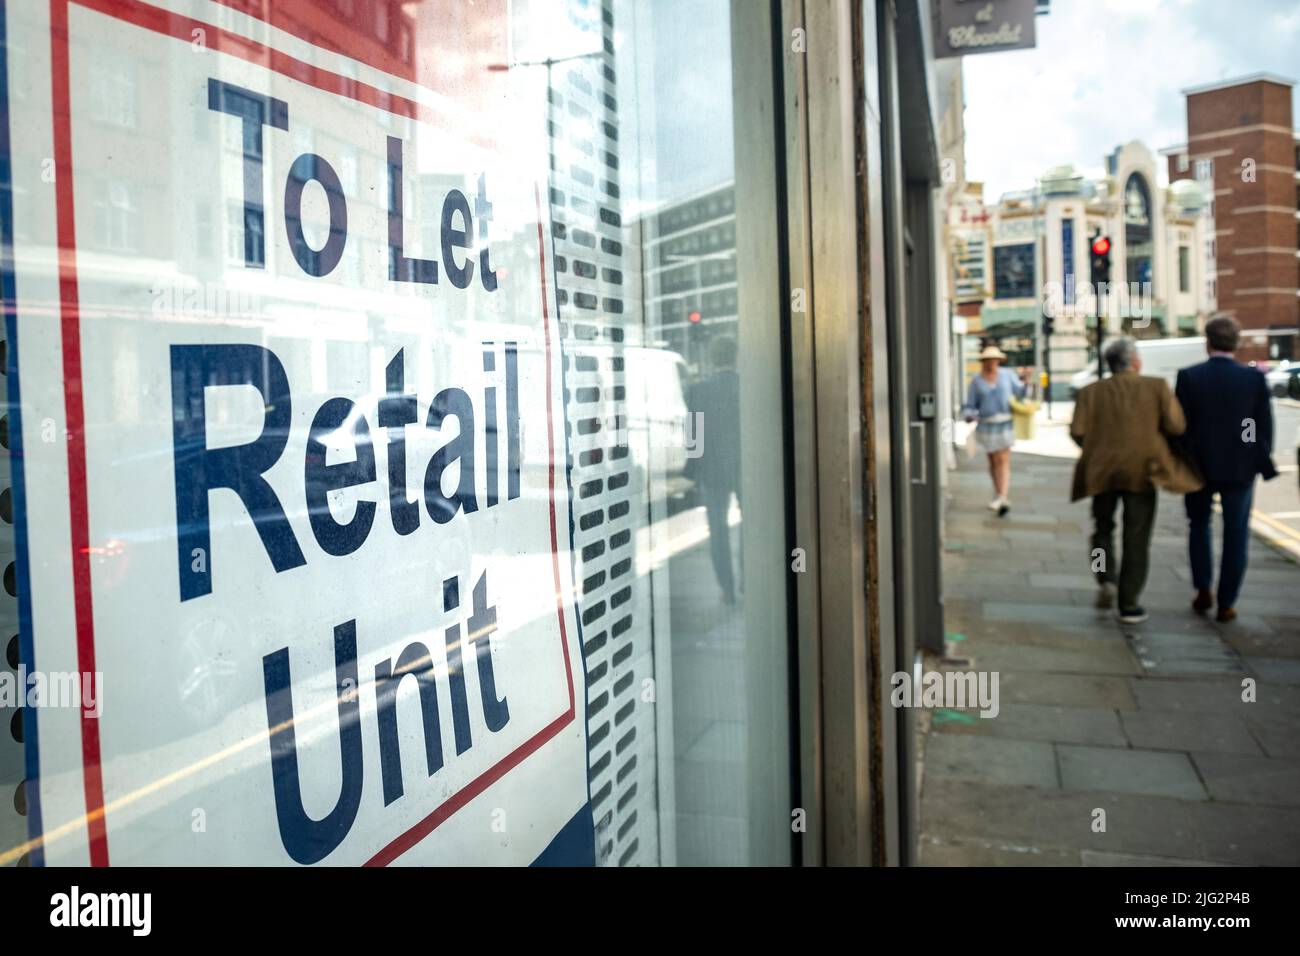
x=1241, y=140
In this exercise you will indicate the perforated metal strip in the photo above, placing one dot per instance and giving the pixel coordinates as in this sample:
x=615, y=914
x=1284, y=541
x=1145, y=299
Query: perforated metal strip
x=13, y=804
x=594, y=278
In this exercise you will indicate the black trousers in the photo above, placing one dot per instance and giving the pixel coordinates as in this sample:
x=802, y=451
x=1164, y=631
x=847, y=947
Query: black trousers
x=717, y=503
x=1139, y=519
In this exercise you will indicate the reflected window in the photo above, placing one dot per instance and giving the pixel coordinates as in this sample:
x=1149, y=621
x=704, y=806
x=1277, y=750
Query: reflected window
x=114, y=218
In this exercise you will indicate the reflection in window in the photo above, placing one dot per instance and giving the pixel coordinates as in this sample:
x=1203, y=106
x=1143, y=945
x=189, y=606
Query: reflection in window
x=114, y=214
x=115, y=95
x=244, y=232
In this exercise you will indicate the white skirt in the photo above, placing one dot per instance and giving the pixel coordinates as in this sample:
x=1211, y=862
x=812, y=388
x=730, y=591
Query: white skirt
x=995, y=436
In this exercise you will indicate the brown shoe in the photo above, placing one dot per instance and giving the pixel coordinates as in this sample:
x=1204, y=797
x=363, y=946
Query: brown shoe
x=1226, y=614
x=1204, y=601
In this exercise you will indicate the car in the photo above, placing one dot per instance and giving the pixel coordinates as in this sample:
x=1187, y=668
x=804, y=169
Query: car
x=1280, y=378
x=1293, y=391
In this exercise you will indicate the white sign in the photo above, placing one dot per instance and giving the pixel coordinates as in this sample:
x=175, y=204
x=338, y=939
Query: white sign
x=294, y=397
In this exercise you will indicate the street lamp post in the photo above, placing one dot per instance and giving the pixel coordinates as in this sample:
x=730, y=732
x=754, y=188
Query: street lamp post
x=1040, y=270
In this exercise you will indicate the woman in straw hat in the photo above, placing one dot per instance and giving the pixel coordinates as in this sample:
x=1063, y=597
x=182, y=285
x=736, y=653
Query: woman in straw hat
x=988, y=401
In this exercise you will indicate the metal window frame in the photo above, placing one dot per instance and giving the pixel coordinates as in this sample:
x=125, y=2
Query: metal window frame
x=841, y=494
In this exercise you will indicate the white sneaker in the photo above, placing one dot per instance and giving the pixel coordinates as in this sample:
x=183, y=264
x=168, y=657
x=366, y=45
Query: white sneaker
x=995, y=504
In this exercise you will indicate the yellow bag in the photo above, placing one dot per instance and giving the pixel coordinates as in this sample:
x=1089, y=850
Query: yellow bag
x=1022, y=417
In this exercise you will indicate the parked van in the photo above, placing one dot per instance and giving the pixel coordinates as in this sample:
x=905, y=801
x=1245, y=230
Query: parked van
x=1162, y=358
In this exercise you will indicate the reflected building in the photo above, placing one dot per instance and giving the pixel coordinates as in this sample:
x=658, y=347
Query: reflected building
x=689, y=263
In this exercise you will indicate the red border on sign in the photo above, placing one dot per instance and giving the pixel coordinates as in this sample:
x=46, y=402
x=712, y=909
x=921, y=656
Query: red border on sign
x=179, y=27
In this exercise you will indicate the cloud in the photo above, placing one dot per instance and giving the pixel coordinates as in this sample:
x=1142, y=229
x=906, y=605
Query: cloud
x=1105, y=72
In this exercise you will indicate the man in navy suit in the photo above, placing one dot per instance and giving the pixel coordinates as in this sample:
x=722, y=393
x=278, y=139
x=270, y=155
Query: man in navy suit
x=1230, y=438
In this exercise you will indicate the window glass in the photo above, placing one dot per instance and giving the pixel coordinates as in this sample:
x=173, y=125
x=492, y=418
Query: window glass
x=393, y=441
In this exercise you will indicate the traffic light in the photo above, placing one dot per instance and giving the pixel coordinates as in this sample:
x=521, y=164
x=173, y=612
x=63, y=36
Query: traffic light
x=694, y=332
x=1100, y=261
x=1049, y=325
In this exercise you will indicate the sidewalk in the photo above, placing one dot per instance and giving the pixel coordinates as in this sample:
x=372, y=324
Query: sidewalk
x=1145, y=723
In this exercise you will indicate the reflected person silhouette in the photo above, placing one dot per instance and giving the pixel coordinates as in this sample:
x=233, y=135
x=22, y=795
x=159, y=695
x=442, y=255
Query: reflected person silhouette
x=715, y=406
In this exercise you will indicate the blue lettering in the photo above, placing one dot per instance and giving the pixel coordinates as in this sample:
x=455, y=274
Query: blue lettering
x=306, y=168
x=454, y=238
x=320, y=479
x=306, y=840
x=442, y=508
x=199, y=469
x=400, y=268
x=254, y=111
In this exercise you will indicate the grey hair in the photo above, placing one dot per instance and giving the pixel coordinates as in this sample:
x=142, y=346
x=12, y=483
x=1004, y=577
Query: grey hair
x=1120, y=354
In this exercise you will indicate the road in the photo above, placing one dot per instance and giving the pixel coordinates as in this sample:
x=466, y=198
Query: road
x=1277, y=502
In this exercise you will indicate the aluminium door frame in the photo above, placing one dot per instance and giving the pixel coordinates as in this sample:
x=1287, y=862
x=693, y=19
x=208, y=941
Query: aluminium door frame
x=839, y=399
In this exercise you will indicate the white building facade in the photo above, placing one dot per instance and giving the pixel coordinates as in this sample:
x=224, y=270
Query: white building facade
x=1035, y=247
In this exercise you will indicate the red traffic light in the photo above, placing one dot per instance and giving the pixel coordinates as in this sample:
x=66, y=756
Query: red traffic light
x=695, y=317
x=1100, y=246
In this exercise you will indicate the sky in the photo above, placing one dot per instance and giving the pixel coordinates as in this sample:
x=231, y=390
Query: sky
x=1105, y=72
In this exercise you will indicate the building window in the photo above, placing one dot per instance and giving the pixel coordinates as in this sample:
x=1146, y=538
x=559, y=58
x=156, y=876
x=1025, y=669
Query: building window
x=1184, y=269
x=114, y=210
x=244, y=238
x=1204, y=170
x=968, y=263
x=1137, y=229
x=1013, y=271
x=1067, y=259
x=203, y=230
x=115, y=95
x=1182, y=162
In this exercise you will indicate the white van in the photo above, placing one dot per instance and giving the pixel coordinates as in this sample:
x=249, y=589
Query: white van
x=1162, y=358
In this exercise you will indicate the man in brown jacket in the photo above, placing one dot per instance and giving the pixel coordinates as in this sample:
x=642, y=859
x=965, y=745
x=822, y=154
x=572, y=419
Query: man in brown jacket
x=1121, y=423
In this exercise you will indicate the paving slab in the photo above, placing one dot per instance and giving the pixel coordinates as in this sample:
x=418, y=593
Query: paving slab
x=1275, y=642
x=1066, y=690
x=1151, y=772
x=1040, y=613
x=989, y=759
x=1281, y=670
x=983, y=853
x=1242, y=778
x=1219, y=696
x=1160, y=653
x=1146, y=723
x=1245, y=834
x=1079, y=581
x=1085, y=725
x=1107, y=858
x=1096, y=658
x=1063, y=636
x=1031, y=817
x=1175, y=730
x=1277, y=731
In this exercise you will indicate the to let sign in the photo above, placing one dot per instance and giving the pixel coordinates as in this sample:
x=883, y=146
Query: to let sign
x=292, y=442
